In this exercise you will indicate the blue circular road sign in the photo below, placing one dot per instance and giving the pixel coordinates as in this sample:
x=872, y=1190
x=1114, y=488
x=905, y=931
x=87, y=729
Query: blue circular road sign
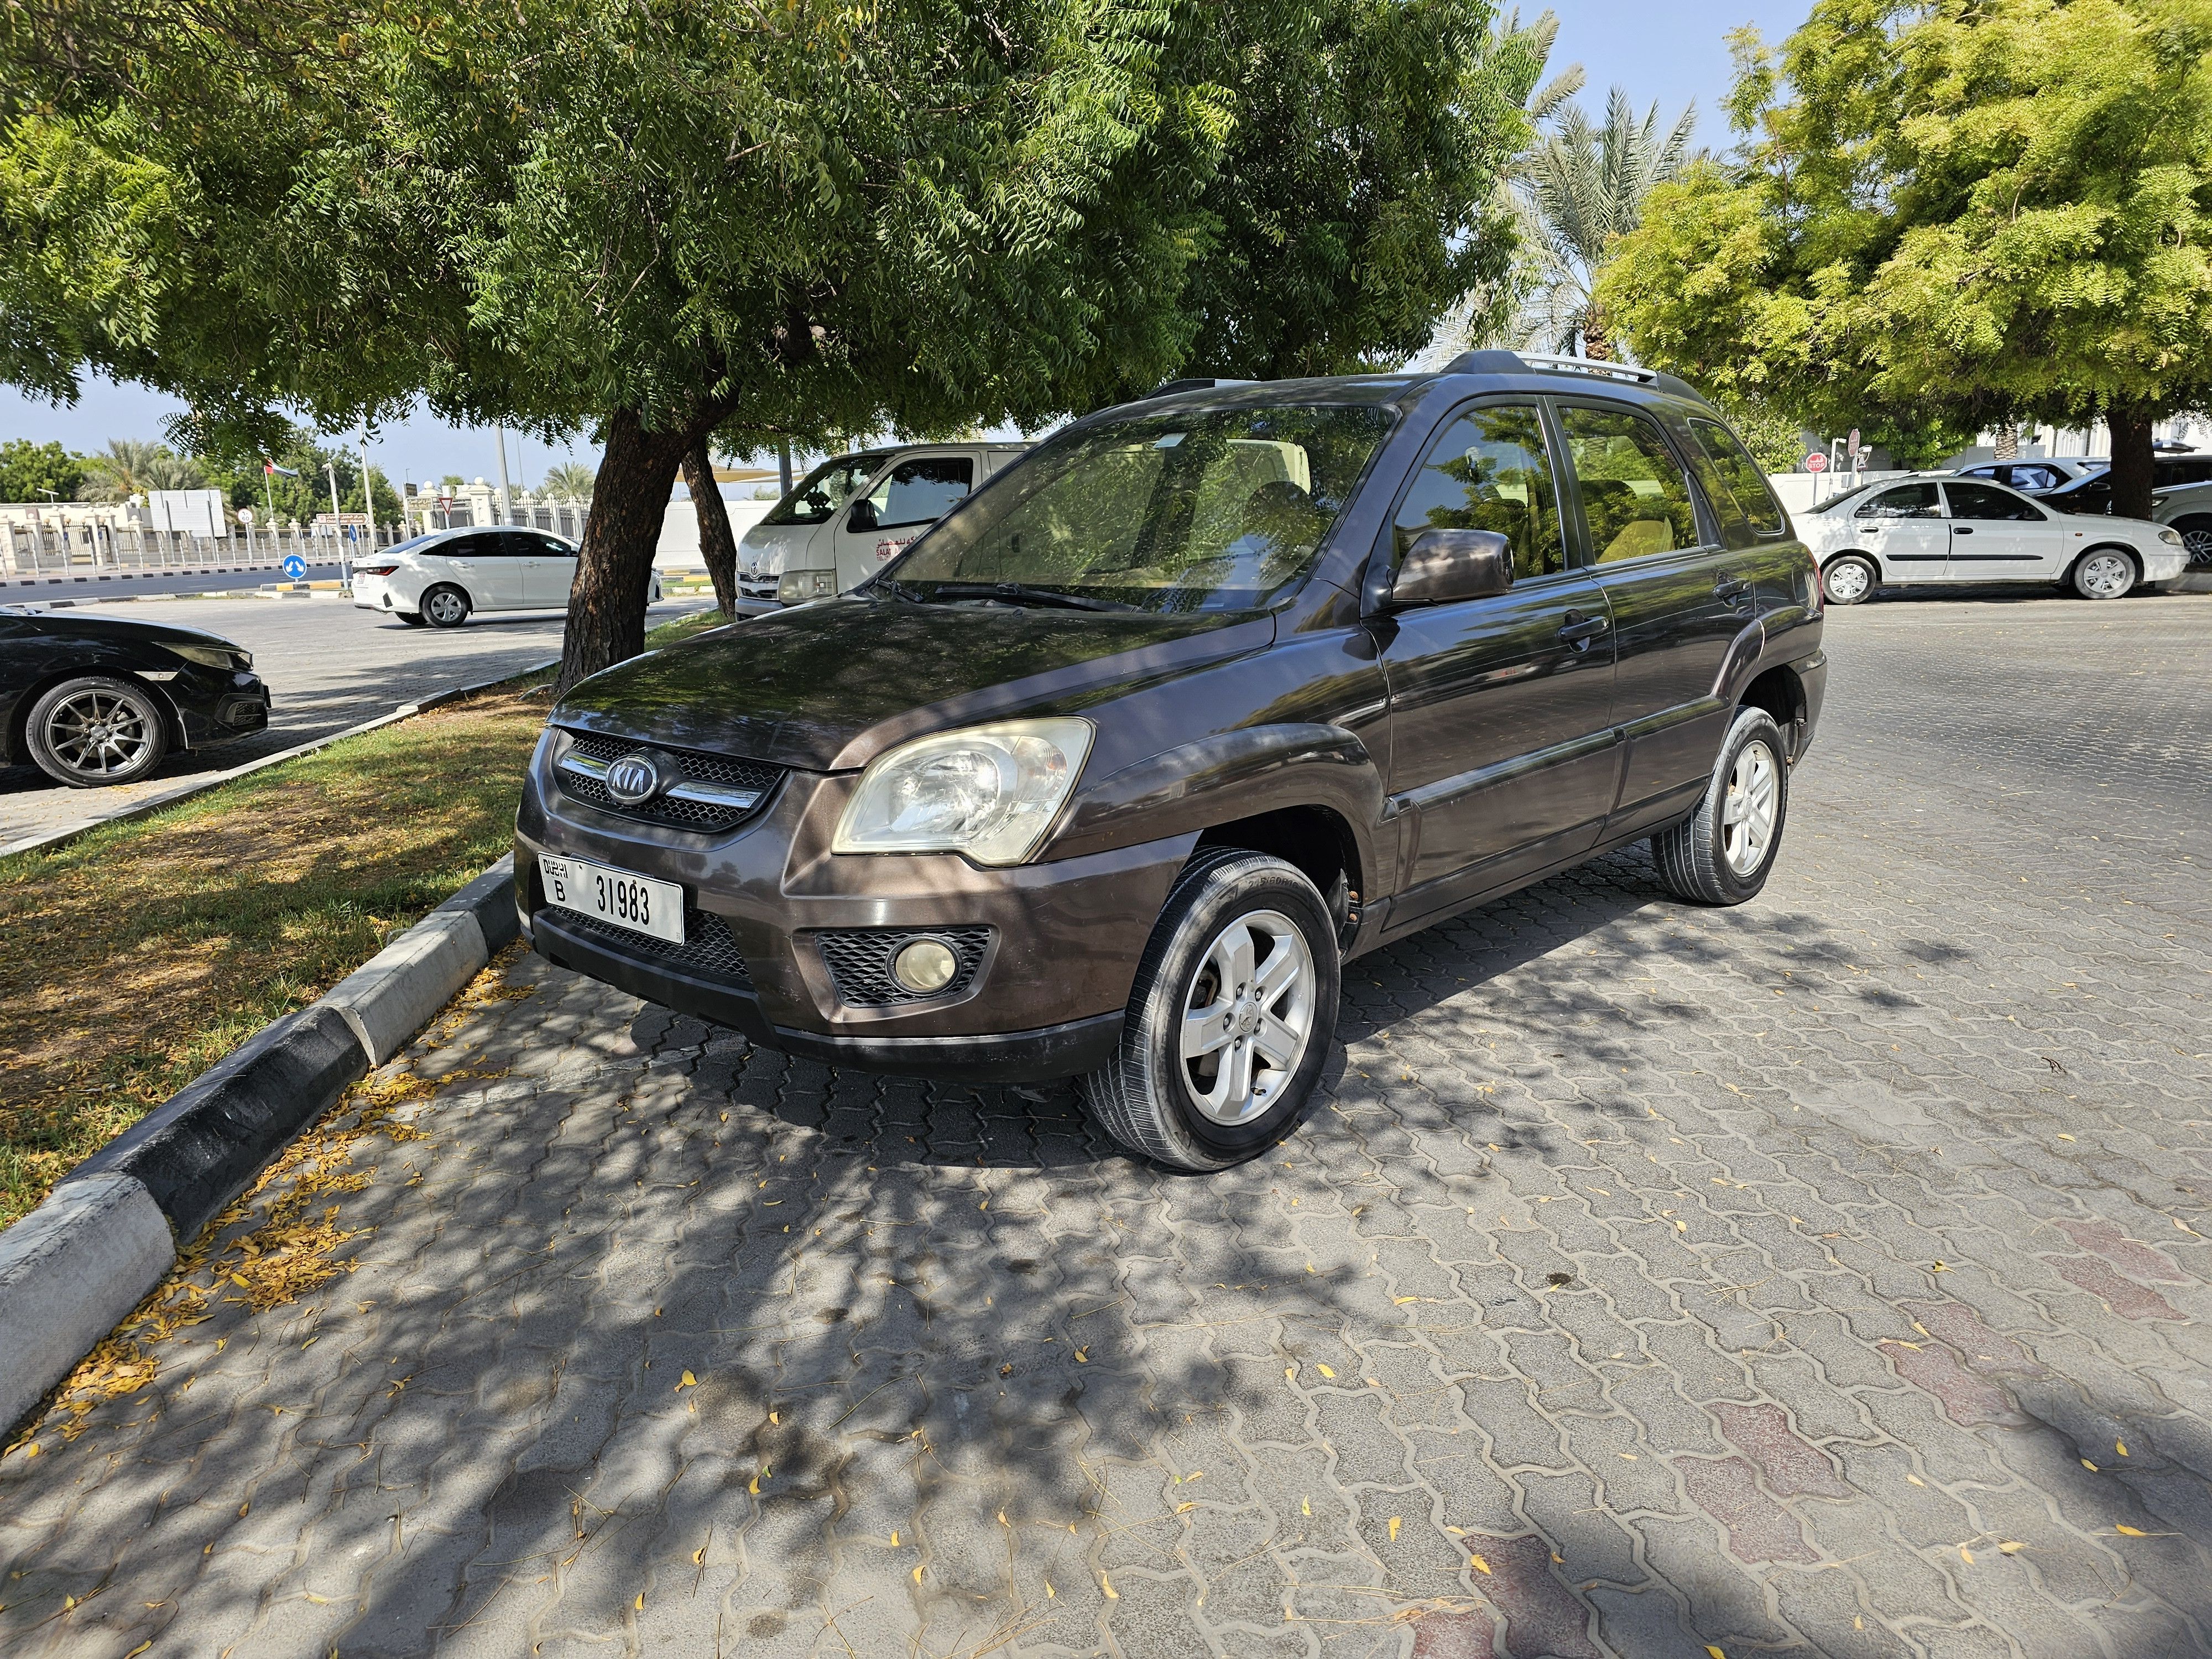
x=295, y=566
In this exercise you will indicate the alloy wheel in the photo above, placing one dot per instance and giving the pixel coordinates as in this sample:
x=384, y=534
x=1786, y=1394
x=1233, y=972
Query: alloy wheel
x=1848, y=580
x=100, y=734
x=2106, y=575
x=445, y=608
x=2198, y=541
x=1247, y=1016
x=1747, y=816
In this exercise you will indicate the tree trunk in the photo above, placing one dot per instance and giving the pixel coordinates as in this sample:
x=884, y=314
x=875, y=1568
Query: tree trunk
x=614, y=567
x=1597, y=338
x=2130, y=425
x=716, y=544
x=2006, y=447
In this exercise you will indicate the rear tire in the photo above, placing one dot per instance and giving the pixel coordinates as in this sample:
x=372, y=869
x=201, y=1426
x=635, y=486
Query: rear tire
x=1849, y=579
x=445, y=606
x=97, y=731
x=1722, y=852
x=412, y=619
x=2104, y=573
x=1230, y=1020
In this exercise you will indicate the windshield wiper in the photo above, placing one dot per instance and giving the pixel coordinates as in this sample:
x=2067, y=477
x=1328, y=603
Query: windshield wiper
x=1017, y=593
x=896, y=588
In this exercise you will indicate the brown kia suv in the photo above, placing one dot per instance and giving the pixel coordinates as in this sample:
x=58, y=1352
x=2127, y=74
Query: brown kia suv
x=1110, y=773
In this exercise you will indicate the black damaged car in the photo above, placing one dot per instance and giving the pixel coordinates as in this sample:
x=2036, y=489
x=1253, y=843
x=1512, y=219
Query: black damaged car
x=102, y=700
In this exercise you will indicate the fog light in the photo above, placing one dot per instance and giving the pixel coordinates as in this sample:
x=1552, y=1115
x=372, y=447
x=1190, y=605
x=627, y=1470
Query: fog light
x=925, y=965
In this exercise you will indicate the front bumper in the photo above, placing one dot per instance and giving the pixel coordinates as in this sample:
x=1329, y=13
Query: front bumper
x=214, y=706
x=1065, y=937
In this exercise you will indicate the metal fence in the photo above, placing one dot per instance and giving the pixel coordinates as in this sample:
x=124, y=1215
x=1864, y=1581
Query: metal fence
x=28, y=551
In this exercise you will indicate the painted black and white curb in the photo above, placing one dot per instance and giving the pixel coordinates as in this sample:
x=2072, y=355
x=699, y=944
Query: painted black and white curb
x=76, y=1267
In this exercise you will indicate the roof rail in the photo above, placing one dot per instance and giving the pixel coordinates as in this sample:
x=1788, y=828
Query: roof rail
x=1196, y=383
x=1525, y=362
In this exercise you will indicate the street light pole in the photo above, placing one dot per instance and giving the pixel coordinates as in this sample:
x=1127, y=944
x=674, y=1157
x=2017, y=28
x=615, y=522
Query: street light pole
x=337, y=530
x=506, y=510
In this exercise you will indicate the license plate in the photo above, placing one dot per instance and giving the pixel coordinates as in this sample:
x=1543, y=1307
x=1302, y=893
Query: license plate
x=637, y=902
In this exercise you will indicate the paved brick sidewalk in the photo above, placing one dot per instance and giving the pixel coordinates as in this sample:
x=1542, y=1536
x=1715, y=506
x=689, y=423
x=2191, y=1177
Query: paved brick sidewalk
x=1651, y=1281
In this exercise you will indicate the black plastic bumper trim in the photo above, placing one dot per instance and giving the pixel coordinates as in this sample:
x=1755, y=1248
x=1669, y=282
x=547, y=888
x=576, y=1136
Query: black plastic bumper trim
x=1034, y=1056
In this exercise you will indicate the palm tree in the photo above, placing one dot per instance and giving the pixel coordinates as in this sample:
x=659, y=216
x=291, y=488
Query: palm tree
x=1581, y=187
x=571, y=480
x=130, y=467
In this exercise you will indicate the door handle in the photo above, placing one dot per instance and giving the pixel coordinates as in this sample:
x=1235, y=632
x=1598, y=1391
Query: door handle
x=1962, y=530
x=1730, y=588
x=1580, y=631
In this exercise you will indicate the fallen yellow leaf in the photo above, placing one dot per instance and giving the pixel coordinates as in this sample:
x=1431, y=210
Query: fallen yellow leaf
x=2131, y=1532
x=2087, y=1464
x=2011, y=1546
x=1480, y=1565
x=1965, y=1555
x=1180, y=1508
x=917, y=1574
x=1290, y=1373
x=1401, y=1301
x=895, y=1539
x=689, y=1381
x=2121, y=1447
x=1323, y=1370
x=1305, y=1506
x=1107, y=1584
x=640, y=1601
x=1393, y=1527
x=1715, y=1651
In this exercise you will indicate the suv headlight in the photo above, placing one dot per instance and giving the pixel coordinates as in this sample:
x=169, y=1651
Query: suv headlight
x=990, y=792
x=799, y=586
x=211, y=656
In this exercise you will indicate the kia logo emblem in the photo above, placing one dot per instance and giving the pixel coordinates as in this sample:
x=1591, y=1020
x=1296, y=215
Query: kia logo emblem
x=633, y=779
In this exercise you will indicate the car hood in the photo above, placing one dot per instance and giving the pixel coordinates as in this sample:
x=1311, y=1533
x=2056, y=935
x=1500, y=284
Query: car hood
x=766, y=548
x=827, y=687
x=129, y=631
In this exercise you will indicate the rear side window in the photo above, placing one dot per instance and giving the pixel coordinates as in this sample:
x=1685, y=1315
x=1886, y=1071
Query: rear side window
x=1636, y=501
x=1490, y=470
x=1912, y=501
x=1739, y=487
x=922, y=490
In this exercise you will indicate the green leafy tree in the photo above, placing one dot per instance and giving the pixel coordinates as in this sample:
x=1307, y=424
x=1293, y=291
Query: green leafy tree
x=572, y=479
x=660, y=223
x=28, y=471
x=133, y=467
x=1583, y=187
x=1947, y=216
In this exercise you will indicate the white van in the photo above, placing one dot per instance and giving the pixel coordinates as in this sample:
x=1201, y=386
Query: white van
x=854, y=513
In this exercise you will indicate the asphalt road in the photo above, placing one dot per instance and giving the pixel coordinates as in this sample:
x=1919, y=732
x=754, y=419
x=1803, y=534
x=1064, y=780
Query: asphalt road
x=1824, y=1276
x=328, y=665
x=93, y=590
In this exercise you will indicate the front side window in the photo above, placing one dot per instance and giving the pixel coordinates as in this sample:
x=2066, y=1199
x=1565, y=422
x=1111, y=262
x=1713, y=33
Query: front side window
x=825, y=489
x=1635, y=499
x=1912, y=501
x=1490, y=470
x=1974, y=500
x=1186, y=510
x=922, y=490
x=1737, y=484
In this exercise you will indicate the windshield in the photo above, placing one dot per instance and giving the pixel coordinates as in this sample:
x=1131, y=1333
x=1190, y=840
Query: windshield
x=1219, y=509
x=825, y=489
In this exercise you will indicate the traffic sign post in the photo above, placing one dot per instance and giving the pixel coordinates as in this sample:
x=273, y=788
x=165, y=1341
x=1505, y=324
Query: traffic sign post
x=295, y=566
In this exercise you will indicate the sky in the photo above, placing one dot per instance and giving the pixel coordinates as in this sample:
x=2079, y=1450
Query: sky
x=1670, y=53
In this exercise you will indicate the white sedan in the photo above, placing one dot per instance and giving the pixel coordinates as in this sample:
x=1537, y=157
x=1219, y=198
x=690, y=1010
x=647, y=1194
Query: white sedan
x=1937, y=528
x=443, y=577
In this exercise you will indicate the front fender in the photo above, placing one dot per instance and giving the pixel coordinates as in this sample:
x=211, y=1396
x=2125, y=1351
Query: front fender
x=1227, y=775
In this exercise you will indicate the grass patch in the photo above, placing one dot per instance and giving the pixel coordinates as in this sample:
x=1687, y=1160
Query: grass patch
x=134, y=958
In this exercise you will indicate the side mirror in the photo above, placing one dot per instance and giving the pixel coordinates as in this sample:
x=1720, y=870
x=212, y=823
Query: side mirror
x=863, y=515
x=1442, y=565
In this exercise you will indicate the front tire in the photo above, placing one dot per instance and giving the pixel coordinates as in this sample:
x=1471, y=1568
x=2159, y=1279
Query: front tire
x=1230, y=1020
x=445, y=606
x=2197, y=538
x=2104, y=573
x=97, y=731
x=411, y=618
x=1722, y=852
x=1850, y=579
